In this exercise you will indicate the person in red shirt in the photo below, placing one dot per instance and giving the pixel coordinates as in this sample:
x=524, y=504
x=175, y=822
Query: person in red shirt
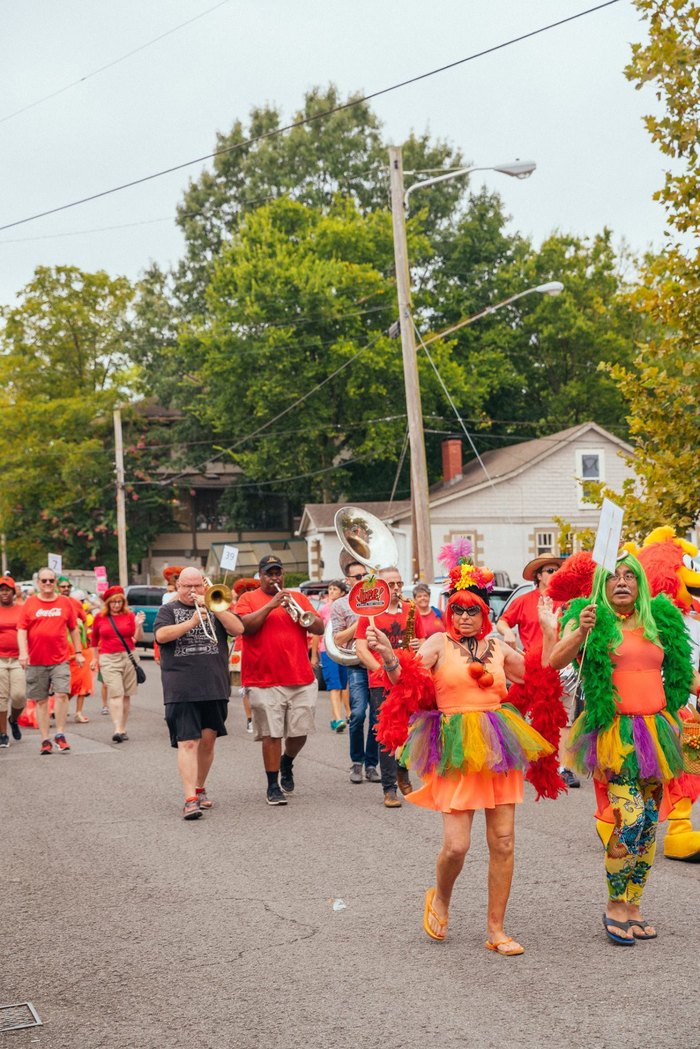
x=80, y=677
x=12, y=680
x=522, y=613
x=42, y=638
x=393, y=623
x=111, y=657
x=430, y=617
x=277, y=671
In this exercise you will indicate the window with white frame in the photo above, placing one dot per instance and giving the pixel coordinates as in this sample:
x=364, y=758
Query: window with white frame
x=590, y=466
x=545, y=543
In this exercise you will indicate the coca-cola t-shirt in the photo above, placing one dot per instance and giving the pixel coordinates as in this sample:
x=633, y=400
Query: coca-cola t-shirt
x=47, y=624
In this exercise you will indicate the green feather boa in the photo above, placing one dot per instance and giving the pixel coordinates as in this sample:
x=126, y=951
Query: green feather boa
x=597, y=670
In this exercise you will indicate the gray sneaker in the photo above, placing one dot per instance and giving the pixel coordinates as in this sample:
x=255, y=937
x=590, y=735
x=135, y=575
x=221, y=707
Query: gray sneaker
x=356, y=774
x=371, y=775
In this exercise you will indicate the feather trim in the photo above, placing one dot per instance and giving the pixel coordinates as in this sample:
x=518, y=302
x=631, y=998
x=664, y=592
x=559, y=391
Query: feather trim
x=414, y=691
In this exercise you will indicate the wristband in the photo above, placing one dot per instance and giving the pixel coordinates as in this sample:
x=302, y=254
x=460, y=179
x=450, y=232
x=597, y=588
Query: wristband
x=391, y=666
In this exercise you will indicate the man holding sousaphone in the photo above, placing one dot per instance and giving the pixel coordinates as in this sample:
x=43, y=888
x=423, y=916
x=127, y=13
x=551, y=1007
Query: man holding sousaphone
x=277, y=671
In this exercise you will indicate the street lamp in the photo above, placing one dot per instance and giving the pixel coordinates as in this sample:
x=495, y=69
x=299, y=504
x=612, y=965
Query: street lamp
x=553, y=287
x=423, y=546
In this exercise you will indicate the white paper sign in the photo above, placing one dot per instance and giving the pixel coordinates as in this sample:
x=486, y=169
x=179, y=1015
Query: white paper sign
x=229, y=558
x=607, y=540
x=55, y=563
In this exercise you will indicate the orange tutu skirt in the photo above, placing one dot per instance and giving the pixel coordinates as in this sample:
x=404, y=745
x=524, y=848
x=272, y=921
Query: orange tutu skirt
x=461, y=792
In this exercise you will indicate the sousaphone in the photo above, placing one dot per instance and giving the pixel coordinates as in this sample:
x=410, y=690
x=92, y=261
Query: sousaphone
x=365, y=539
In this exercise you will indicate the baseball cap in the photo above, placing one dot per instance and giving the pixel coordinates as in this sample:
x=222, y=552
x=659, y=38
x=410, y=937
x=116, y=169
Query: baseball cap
x=6, y=580
x=269, y=561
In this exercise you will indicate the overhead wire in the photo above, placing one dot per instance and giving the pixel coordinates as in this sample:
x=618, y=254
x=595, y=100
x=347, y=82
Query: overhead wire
x=273, y=133
x=113, y=62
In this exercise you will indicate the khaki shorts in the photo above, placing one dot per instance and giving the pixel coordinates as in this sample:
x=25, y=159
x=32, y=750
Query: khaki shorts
x=41, y=679
x=283, y=711
x=118, y=674
x=13, y=685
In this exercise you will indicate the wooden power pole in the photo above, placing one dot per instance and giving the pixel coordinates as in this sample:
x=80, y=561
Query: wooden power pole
x=121, y=507
x=416, y=435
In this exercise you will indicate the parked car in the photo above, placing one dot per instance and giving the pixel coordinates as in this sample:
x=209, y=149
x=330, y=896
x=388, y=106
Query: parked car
x=146, y=599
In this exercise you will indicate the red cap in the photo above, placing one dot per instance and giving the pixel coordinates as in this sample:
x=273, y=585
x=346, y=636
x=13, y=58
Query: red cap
x=6, y=580
x=113, y=591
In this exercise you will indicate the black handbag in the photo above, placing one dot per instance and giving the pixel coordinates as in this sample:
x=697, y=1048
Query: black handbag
x=140, y=672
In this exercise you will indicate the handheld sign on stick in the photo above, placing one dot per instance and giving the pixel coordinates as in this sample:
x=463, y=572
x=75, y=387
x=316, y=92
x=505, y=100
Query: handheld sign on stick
x=369, y=541
x=607, y=544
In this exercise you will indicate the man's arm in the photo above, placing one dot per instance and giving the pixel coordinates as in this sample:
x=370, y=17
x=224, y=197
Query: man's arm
x=77, y=644
x=506, y=633
x=365, y=656
x=22, y=645
x=172, y=631
x=254, y=621
x=230, y=621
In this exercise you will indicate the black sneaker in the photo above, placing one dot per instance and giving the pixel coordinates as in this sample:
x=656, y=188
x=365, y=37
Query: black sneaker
x=286, y=775
x=570, y=778
x=15, y=729
x=275, y=795
x=4, y=740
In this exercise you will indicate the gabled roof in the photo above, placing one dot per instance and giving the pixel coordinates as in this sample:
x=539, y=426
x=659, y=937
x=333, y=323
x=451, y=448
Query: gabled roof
x=320, y=516
x=502, y=464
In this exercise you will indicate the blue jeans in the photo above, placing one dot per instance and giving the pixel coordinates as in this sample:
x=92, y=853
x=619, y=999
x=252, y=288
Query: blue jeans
x=361, y=753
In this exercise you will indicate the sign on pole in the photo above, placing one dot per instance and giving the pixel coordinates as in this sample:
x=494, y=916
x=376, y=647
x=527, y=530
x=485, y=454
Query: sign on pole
x=229, y=558
x=55, y=563
x=607, y=540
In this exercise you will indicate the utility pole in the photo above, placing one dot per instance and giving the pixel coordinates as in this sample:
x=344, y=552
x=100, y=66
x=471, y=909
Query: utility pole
x=423, y=547
x=3, y=547
x=121, y=508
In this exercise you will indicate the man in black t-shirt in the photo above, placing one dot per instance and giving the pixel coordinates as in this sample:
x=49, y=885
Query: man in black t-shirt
x=194, y=672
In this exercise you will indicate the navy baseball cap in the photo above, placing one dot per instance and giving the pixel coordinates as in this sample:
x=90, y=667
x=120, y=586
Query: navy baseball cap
x=269, y=561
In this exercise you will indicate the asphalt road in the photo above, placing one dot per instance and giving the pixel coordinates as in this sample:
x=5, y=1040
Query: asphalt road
x=129, y=928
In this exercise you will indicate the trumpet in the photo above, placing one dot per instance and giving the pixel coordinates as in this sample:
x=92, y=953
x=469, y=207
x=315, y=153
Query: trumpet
x=296, y=612
x=217, y=598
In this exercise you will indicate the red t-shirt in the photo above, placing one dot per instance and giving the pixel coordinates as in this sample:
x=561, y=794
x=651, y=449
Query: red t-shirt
x=432, y=622
x=104, y=638
x=278, y=654
x=523, y=614
x=9, y=618
x=393, y=624
x=46, y=623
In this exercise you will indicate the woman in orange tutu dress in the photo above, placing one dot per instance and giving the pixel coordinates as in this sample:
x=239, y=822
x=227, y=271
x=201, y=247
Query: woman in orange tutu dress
x=470, y=751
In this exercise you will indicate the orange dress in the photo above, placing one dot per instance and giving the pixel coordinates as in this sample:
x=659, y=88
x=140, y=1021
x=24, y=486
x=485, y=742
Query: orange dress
x=472, y=750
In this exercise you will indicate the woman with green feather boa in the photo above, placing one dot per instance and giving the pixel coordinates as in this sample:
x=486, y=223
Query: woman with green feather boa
x=637, y=671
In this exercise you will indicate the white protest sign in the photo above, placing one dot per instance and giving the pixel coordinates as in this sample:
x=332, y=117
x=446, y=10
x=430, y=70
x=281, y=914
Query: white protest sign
x=607, y=540
x=229, y=558
x=55, y=563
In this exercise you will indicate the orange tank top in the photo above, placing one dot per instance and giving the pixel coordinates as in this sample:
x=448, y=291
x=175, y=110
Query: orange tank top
x=637, y=675
x=457, y=691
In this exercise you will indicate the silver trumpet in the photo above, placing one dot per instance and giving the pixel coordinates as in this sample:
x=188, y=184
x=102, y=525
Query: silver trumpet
x=296, y=612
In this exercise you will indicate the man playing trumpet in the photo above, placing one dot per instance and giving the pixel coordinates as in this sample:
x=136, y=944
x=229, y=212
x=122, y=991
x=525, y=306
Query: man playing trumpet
x=277, y=670
x=194, y=670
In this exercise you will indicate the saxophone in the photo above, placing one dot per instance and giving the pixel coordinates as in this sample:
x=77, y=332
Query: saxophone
x=410, y=631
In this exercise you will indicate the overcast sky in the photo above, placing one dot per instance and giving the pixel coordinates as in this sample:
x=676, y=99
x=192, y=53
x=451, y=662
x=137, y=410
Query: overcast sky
x=559, y=98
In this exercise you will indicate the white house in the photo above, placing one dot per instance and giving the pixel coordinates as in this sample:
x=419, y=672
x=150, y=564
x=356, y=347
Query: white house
x=506, y=507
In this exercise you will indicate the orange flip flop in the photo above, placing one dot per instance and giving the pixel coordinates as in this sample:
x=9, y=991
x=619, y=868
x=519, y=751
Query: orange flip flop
x=431, y=912
x=498, y=944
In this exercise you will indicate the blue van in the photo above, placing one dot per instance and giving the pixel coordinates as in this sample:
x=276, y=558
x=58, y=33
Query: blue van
x=146, y=599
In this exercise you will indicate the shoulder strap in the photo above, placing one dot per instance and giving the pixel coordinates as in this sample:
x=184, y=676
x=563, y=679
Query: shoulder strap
x=115, y=628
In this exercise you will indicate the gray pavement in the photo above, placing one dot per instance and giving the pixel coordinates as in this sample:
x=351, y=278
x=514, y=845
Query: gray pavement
x=129, y=928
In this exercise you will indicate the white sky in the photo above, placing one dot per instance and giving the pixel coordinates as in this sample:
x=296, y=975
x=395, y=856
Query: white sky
x=560, y=99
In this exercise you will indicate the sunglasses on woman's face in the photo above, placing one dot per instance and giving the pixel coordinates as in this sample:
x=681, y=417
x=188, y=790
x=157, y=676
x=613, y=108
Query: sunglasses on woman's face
x=468, y=610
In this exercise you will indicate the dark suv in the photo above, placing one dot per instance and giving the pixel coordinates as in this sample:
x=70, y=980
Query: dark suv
x=146, y=599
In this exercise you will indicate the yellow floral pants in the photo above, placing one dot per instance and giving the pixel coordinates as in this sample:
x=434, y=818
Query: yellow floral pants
x=632, y=846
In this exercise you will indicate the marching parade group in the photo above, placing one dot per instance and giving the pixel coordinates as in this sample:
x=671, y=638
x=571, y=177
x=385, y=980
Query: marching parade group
x=445, y=695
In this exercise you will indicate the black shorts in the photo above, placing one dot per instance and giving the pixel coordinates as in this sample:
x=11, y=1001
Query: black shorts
x=186, y=720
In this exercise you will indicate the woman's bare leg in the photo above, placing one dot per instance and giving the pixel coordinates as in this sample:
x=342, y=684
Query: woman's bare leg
x=457, y=828
x=500, y=838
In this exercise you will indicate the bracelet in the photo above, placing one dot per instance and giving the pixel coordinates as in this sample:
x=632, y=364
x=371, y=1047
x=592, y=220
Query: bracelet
x=391, y=666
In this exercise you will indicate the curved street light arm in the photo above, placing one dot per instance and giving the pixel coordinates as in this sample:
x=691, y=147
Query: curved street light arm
x=554, y=287
x=518, y=169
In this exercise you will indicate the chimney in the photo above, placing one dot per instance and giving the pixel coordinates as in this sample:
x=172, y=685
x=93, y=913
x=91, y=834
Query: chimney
x=451, y=460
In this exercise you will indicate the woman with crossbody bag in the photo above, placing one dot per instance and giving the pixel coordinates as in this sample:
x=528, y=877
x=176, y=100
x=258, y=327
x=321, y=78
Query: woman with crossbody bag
x=115, y=632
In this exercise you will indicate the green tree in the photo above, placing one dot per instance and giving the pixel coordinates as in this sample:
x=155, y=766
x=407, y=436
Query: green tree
x=661, y=383
x=63, y=368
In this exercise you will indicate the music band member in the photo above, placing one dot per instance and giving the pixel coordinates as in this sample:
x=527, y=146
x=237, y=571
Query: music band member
x=194, y=671
x=277, y=671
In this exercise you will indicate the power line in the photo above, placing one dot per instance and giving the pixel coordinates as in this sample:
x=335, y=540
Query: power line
x=109, y=65
x=308, y=120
